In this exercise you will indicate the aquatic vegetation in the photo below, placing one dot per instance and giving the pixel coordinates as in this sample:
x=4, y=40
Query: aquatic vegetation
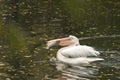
x=26, y=25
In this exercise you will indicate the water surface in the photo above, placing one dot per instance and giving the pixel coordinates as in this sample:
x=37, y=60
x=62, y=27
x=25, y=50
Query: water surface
x=109, y=69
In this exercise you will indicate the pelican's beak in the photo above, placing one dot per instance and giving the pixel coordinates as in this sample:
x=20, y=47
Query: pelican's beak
x=65, y=41
x=62, y=42
x=52, y=43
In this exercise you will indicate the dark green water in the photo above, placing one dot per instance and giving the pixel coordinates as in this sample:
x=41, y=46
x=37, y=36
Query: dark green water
x=109, y=69
x=26, y=25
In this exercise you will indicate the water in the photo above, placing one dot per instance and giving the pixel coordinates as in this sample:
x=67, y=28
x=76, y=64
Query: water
x=109, y=69
x=23, y=57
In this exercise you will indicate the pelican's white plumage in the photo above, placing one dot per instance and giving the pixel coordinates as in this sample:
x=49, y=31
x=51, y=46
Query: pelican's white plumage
x=73, y=52
x=79, y=51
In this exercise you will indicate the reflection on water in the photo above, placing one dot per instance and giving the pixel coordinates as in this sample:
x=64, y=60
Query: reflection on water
x=25, y=26
x=79, y=72
x=109, y=69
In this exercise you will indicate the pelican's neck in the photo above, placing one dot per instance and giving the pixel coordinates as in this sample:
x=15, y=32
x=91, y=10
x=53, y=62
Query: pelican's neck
x=72, y=61
x=76, y=61
x=60, y=55
x=75, y=44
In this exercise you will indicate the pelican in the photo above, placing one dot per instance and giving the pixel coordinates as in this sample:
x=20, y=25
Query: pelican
x=72, y=52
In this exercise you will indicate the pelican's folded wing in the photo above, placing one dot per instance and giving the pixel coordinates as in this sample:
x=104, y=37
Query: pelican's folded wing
x=79, y=51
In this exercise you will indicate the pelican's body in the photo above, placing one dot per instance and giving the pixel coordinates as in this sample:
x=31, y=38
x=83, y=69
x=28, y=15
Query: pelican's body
x=78, y=51
x=73, y=52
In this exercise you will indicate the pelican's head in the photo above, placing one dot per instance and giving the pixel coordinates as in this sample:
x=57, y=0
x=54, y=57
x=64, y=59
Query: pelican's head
x=74, y=39
x=67, y=41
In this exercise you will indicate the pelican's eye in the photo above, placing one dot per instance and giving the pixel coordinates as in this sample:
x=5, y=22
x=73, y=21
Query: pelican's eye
x=71, y=38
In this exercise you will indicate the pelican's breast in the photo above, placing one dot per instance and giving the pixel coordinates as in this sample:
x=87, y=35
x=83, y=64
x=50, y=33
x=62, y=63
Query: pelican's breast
x=78, y=51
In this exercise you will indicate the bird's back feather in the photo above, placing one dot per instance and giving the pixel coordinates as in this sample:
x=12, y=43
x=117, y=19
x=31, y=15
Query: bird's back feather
x=79, y=51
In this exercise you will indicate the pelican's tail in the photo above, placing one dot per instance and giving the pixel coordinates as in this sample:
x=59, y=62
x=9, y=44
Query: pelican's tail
x=94, y=59
x=97, y=53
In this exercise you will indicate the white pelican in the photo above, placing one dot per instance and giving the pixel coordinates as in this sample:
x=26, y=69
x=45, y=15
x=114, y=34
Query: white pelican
x=72, y=52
